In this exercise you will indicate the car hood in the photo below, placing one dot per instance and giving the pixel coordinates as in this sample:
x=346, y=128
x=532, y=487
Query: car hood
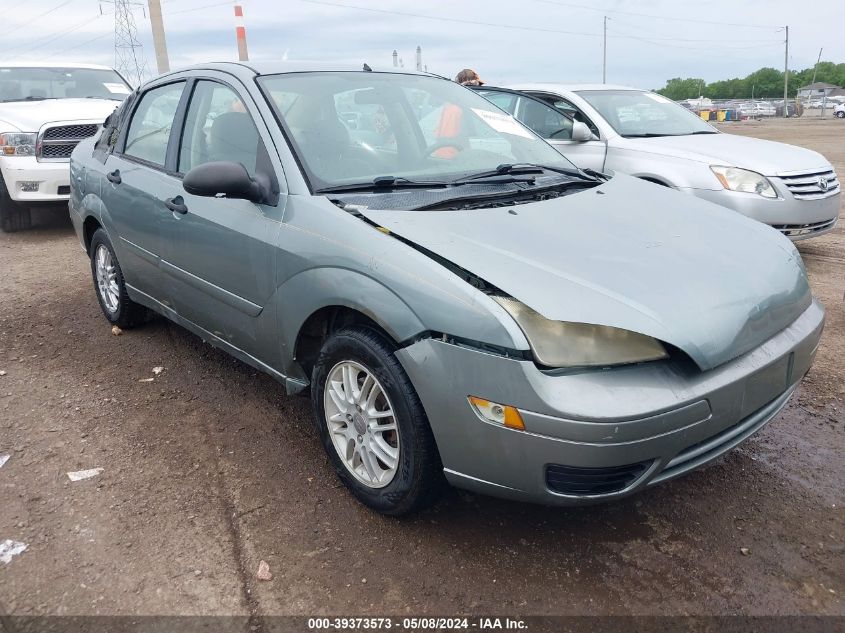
x=766, y=157
x=631, y=255
x=30, y=116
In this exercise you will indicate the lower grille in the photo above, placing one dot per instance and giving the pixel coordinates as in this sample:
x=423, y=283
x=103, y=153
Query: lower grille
x=573, y=480
x=812, y=185
x=796, y=230
x=698, y=454
x=63, y=190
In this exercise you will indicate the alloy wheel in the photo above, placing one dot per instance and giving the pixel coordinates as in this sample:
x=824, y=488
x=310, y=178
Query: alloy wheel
x=106, y=272
x=361, y=424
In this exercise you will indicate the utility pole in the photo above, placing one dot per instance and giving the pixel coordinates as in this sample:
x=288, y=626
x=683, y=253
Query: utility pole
x=604, y=55
x=785, y=73
x=159, y=42
x=816, y=67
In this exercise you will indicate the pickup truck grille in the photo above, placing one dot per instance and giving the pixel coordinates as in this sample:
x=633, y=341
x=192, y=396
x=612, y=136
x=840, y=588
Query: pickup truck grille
x=812, y=185
x=57, y=142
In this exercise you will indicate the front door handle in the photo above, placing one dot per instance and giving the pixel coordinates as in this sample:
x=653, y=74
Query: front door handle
x=177, y=205
x=114, y=176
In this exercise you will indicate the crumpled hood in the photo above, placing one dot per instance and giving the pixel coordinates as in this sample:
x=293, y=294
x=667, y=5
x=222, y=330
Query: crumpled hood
x=765, y=157
x=29, y=116
x=631, y=255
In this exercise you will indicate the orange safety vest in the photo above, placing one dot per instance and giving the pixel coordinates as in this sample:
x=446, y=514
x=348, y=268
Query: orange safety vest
x=449, y=128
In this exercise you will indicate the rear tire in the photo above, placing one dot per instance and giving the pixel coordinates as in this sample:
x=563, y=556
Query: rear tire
x=110, y=287
x=399, y=448
x=841, y=115
x=13, y=215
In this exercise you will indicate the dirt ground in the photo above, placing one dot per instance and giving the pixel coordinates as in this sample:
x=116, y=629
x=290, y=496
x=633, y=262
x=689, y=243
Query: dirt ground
x=209, y=469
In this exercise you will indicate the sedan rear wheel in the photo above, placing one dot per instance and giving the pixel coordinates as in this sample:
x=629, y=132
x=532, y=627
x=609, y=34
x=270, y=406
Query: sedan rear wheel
x=110, y=286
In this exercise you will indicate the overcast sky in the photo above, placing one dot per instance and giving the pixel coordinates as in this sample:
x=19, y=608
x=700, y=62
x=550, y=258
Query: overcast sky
x=506, y=41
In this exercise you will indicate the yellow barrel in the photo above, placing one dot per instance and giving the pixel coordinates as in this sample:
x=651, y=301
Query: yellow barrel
x=720, y=115
x=704, y=114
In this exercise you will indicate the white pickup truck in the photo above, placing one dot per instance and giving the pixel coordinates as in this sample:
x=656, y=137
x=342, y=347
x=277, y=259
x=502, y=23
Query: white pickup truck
x=45, y=110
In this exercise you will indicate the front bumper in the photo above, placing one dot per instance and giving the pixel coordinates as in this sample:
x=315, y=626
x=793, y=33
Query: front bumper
x=52, y=179
x=653, y=421
x=797, y=219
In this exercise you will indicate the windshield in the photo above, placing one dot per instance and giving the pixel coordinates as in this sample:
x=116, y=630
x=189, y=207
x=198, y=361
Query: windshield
x=354, y=127
x=638, y=113
x=34, y=84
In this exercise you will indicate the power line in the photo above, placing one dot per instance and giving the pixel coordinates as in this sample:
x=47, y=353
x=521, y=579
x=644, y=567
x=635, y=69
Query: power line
x=443, y=19
x=80, y=45
x=49, y=39
x=18, y=27
x=491, y=24
x=205, y=6
x=653, y=16
x=659, y=42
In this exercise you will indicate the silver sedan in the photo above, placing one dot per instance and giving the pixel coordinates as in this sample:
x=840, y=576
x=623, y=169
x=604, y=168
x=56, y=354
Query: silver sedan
x=644, y=134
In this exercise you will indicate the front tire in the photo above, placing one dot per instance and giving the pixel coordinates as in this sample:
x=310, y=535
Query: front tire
x=13, y=215
x=841, y=115
x=372, y=423
x=109, y=285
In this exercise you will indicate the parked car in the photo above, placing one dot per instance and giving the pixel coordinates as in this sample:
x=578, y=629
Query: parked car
x=644, y=134
x=45, y=110
x=839, y=111
x=461, y=301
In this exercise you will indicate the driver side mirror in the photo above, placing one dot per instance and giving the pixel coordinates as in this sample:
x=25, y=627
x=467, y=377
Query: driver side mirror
x=225, y=178
x=580, y=132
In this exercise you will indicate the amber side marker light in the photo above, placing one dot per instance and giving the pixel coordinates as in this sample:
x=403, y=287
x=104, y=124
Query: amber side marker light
x=497, y=413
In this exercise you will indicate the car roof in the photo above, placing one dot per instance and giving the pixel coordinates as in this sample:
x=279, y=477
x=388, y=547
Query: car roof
x=52, y=65
x=251, y=69
x=558, y=87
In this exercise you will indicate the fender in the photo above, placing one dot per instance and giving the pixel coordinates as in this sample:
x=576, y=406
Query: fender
x=295, y=301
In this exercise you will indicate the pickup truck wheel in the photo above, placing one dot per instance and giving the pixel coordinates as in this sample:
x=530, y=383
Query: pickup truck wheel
x=13, y=215
x=372, y=423
x=109, y=285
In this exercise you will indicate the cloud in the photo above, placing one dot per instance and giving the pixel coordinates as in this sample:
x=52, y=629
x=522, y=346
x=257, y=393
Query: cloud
x=643, y=50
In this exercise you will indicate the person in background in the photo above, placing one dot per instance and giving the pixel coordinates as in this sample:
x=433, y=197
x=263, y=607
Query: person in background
x=468, y=77
x=451, y=126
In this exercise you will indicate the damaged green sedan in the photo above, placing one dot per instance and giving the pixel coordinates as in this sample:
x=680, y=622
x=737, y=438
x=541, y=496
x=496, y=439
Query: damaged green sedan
x=463, y=303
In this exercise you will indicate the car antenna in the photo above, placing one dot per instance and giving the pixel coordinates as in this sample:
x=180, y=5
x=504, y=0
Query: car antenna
x=367, y=68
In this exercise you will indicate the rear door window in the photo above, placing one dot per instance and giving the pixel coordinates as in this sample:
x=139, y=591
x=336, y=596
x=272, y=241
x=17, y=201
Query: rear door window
x=149, y=130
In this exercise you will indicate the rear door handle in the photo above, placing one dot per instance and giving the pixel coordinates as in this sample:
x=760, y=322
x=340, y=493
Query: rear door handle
x=177, y=205
x=114, y=176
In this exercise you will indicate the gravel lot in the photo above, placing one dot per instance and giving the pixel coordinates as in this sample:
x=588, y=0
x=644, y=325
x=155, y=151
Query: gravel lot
x=209, y=468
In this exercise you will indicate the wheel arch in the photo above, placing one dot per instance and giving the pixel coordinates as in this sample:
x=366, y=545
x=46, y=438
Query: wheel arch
x=318, y=301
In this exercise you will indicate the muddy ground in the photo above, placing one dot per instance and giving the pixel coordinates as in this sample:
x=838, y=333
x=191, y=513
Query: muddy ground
x=209, y=468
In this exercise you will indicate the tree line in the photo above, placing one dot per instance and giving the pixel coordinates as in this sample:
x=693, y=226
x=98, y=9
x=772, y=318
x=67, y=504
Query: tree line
x=763, y=83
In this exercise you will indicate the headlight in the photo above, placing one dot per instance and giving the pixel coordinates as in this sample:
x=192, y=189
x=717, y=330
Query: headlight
x=562, y=344
x=737, y=179
x=17, y=143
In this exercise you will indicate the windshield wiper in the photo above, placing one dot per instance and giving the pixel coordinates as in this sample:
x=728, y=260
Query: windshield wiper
x=704, y=132
x=514, y=169
x=649, y=135
x=28, y=98
x=384, y=182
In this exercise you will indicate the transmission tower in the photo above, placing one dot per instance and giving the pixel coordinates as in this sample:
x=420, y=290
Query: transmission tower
x=128, y=51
